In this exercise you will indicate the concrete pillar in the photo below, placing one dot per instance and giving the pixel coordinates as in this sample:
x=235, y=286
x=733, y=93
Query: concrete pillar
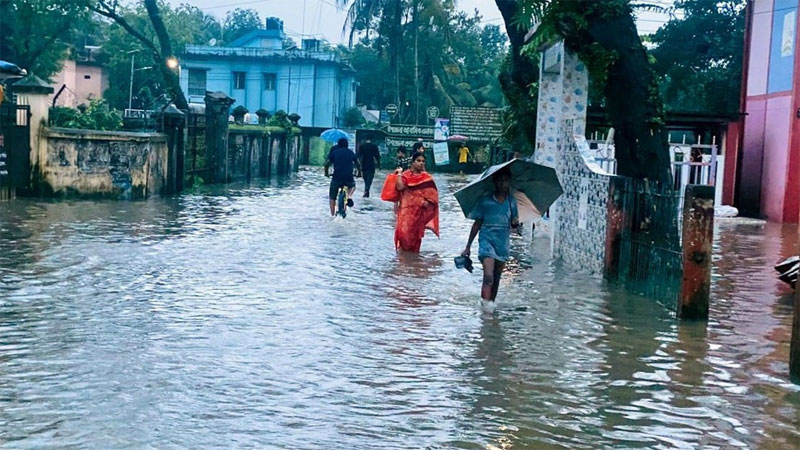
x=34, y=92
x=698, y=238
x=174, y=121
x=217, y=111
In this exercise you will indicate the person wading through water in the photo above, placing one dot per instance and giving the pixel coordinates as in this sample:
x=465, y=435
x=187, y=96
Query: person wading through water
x=495, y=215
x=370, y=158
x=418, y=206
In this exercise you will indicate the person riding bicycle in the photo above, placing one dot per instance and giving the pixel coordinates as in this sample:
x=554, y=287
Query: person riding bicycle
x=344, y=161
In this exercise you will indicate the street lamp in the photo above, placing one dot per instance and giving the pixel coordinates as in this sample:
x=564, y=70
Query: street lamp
x=130, y=94
x=172, y=63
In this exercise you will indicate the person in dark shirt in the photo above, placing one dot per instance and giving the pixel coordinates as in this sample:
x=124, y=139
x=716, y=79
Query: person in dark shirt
x=344, y=161
x=403, y=161
x=370, y=158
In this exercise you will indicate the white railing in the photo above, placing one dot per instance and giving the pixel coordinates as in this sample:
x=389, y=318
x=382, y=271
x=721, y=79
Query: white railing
x=691, y=163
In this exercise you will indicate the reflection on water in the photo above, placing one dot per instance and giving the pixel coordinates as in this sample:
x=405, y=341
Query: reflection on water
x=245, y=317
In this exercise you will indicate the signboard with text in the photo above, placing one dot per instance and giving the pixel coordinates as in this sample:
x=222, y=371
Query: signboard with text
x=410, y=131
x=479, y=124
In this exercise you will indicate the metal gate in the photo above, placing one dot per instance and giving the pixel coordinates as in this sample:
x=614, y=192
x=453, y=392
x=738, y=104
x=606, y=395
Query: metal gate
x=15, y=149
x=650, y=260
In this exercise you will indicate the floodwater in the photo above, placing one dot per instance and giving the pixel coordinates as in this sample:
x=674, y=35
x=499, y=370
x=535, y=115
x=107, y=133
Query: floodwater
x=245, y=317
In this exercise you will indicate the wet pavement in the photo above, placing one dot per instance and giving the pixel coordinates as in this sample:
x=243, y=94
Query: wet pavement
x=245, y=317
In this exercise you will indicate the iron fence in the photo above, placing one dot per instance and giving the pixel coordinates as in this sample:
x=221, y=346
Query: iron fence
x=196, y=161
x=650, y=262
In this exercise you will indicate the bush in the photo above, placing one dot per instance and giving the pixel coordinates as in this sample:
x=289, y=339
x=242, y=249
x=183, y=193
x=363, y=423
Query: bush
x=280, y=119
x=352, y=118
x=96, y=116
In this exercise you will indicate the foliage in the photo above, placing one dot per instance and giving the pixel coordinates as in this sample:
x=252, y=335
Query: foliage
x=459, y=59
x=95, y=116
x=280, y=119
x=604, y=36
x=239, y=111
x=239, y=22
x=699, y=57
x=185, y=24
x=352, y=118
x=156, y=35
x=36, y=34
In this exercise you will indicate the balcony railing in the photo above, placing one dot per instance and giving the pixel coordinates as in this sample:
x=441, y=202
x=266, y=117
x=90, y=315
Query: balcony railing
x=256, y=52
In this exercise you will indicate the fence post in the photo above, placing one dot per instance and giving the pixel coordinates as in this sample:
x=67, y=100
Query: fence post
x=698, y=238
x=174, y=121
x=794, y=352
x=616, y=221
x=217, y=111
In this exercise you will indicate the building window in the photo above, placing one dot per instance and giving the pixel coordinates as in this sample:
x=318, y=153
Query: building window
x=87, y=77
x=197, y=82
x=238, y=80
x=269, y=81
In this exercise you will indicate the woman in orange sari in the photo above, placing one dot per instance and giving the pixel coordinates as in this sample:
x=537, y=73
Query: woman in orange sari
x=418, y=207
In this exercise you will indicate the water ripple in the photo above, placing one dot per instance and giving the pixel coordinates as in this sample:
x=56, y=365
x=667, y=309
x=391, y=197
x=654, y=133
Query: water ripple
x=245, y=317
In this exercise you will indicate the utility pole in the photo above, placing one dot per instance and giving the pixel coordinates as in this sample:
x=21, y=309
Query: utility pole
x=416, y=63
x=130, y=91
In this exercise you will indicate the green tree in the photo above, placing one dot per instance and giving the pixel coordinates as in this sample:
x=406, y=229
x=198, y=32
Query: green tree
x=453, y=66
x=699, y=57
x=36, y=34
x=239, y=22
x=160, y=47
x=604, y=36
x=137, y=38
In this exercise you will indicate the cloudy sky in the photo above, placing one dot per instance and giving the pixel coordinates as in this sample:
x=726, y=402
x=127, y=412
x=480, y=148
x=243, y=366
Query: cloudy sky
x=322, y=19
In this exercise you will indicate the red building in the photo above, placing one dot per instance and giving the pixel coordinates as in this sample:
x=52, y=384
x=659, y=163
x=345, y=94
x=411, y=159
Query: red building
x=768, y=165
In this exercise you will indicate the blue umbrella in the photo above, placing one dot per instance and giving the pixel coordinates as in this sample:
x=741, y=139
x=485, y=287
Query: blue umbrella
x=10, y=70
x=333, y=135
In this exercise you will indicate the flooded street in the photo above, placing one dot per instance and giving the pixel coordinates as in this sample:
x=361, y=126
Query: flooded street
x=246, y=317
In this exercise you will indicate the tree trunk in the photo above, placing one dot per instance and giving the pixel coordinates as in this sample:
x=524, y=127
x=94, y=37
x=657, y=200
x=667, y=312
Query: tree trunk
x=522, y=74
x=171, y=77
x=634, y=105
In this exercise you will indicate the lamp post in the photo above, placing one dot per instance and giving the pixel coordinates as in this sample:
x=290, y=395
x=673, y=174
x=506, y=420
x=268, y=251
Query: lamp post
x=130, y=89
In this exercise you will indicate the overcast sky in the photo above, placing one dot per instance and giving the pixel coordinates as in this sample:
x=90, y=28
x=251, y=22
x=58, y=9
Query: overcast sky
x=322, y=19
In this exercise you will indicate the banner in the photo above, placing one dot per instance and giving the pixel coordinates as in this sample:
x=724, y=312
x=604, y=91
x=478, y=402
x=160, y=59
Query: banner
x=441, y=131
x=441, y=154
x=422, y=131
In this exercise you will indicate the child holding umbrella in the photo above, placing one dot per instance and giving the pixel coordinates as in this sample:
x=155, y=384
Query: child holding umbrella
x=495, y=215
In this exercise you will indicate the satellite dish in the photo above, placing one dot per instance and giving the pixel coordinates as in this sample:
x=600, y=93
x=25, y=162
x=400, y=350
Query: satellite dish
x=212, y=42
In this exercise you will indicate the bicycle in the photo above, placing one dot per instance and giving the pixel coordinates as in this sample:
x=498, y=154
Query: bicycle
x=341, y=202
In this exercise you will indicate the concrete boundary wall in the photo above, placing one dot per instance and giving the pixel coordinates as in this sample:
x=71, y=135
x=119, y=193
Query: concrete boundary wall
x=256, y=153
x=88, y=163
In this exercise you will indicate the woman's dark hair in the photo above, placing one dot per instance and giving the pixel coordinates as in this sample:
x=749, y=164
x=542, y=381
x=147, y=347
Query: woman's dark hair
x=415, y=148
x=402, y=149
x=504, y=172
x=417, y=155
x=343, y=142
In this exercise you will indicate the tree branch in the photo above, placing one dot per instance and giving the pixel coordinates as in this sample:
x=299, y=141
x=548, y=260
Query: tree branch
x=106, y=10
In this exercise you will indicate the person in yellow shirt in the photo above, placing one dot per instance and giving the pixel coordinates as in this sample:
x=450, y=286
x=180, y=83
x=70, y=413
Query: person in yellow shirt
x=463, y=157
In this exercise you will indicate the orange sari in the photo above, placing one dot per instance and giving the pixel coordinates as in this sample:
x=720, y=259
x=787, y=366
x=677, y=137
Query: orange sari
x=418, y=210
